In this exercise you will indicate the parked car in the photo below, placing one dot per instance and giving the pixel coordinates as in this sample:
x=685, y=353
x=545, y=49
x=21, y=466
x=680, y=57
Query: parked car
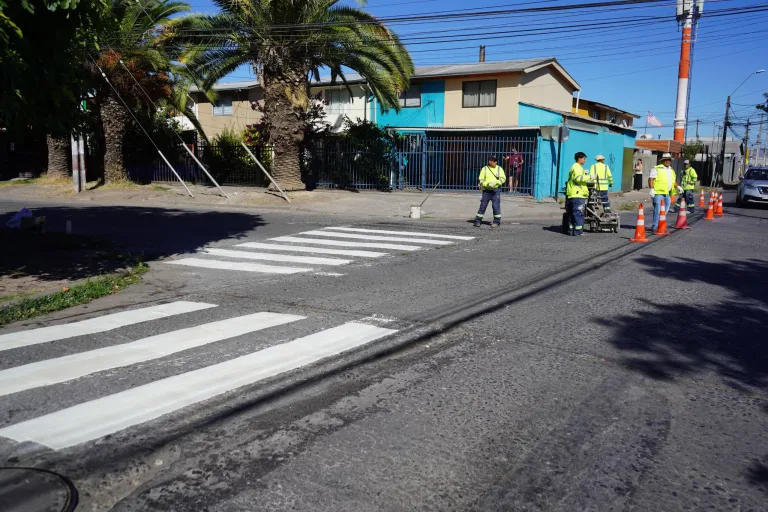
x=753, y=187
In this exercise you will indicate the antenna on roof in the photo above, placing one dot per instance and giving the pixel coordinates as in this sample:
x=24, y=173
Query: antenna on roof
x=482, y=53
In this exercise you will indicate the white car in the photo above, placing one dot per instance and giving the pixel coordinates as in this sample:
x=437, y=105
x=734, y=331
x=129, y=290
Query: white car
x=753, y=187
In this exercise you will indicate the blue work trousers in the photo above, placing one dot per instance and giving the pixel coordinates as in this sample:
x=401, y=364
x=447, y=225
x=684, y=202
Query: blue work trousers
x=605, y=200
x=657, y=209
x=494, y=197
x=688, y=195
x=574, y=206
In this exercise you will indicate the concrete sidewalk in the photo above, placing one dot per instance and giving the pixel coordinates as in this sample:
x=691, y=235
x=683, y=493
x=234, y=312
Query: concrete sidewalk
x=460, y=205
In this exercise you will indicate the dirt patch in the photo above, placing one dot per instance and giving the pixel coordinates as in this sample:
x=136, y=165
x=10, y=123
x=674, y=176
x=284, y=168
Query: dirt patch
x=34, y=263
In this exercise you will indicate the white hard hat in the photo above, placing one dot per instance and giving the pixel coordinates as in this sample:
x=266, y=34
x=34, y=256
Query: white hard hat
x=599, y=157
x=666, y=156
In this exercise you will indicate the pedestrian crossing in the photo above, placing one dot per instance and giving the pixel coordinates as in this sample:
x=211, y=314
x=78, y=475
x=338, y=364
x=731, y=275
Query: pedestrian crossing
x=313, y=250
x=116, y=412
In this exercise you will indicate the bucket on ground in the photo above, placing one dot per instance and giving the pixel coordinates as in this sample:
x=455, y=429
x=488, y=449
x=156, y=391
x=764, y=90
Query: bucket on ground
x=415, y=212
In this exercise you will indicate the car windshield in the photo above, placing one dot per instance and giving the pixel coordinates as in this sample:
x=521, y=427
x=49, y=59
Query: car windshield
x=757, y=174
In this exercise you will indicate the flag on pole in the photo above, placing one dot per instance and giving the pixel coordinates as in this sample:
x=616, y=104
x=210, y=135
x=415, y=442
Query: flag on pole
x=653, y=120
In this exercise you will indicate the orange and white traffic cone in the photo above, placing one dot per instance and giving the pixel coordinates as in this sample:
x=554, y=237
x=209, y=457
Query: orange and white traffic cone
x=701, y=199
x=661, y=229
x=710, y=211
x=682, y=217
x=719, y=210
x=640, y=226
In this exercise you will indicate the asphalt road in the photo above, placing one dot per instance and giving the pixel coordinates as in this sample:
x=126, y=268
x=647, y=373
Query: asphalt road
x=518, y=370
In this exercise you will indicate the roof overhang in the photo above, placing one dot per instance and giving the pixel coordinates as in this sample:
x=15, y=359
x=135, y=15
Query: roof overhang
x=560, y=69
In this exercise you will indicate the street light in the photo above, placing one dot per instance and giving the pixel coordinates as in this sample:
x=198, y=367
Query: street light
x=725, y=124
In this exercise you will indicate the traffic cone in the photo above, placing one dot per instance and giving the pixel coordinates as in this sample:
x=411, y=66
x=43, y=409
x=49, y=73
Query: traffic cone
x=672, y=200
x=682, y=217
x=640, y=226
x=710, y=211
x=701, y=200
x=661, y=230
x=719, y=209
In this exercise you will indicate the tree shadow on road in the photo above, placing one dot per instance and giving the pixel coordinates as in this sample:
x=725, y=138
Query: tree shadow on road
x=102, y=233
x=726, y=339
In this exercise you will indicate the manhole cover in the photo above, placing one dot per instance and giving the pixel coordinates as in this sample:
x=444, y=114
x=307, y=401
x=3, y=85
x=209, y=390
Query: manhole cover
x=35, y=490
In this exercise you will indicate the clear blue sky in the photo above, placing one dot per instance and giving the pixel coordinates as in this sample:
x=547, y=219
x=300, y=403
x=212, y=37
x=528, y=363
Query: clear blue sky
x=627, y=58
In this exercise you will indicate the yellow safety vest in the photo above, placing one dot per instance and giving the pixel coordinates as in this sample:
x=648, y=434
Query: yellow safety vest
x=492, y=178
x=661, y=184
x=602, y=174
x=689, y=179
x=577, y=182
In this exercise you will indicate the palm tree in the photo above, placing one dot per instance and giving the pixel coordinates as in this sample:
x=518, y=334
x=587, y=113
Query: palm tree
x=287, y=42
x=58, y=156
x=132, y=40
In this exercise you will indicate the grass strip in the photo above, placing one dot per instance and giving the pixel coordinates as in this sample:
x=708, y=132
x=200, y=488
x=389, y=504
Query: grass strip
x=79, y=294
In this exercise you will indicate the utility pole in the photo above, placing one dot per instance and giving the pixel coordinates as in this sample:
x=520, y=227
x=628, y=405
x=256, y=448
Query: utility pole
x=759, y=141
x=722, y=142
x=697, y=129
x=745, y=163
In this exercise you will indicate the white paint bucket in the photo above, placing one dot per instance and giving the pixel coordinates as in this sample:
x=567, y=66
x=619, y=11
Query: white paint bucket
x=415, y=212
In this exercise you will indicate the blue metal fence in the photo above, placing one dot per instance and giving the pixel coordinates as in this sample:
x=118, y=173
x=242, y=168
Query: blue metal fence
x=421, y=161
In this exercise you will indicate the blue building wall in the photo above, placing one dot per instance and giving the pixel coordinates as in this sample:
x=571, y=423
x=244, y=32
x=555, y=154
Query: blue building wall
x=430, y=114
x=528, y=115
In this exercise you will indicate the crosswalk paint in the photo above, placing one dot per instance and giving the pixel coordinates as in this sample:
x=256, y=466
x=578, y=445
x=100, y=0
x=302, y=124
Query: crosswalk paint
x=377, y=238
x=237, y=265
x=112, y=413
x=284, y=258
x=62, y=369
x=99, y=324
x=344, y=243
x=403, y=233
x=315, y=250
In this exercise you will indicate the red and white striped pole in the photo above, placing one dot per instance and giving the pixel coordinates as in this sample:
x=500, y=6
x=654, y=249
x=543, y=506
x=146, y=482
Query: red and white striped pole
x=683, y=75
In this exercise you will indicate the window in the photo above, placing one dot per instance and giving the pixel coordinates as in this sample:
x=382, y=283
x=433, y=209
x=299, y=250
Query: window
x=479, y=94
x=337, y=101
x=594, y=114
x=223, y=107
x=411, y=97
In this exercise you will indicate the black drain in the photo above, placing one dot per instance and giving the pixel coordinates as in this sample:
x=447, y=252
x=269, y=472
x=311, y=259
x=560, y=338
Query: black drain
x=36, y=490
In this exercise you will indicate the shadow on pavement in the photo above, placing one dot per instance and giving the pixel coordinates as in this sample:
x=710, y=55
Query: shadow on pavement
x=726, y=339
x=100, y=233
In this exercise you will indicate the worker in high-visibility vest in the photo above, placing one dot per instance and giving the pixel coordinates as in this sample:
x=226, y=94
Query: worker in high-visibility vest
x=688, y=184
x=490, y=181
x=576, y=194
x=601, y=174
x=661, y=180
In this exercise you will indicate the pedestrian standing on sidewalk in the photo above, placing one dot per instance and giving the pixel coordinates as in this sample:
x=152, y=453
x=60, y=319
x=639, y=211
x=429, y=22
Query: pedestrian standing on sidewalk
x=490, y=181
x=638, y=185
x=661, y=180
x=576, y=194
x=601, y=173
x=688, y=184
x=515, y=166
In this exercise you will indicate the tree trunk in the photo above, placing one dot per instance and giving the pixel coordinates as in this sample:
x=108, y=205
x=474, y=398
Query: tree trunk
x=58, y=156
x=286, y=102
x=115, y=121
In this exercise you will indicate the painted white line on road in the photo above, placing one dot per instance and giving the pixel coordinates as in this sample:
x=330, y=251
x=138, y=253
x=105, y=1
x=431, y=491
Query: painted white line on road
x=112, y=413
x=99, y=324
x=62, y=369
x=405, y=233
x=315, y=250
x=342, y=243
x=284, y=258
x=378, y=238
x=236, y=265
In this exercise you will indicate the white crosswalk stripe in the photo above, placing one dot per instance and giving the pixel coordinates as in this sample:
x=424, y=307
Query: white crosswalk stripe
x=310, y=249
x=314, y=250
x=116, y=412
x=401, y=233
x=236, y=265
x=285, y=258
x=61, y=369
x=377, y=238
x=342, y=243
x=99, y=324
